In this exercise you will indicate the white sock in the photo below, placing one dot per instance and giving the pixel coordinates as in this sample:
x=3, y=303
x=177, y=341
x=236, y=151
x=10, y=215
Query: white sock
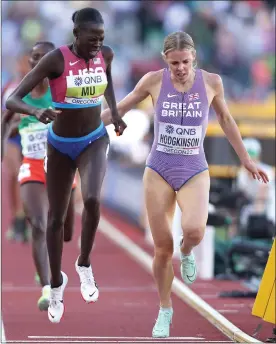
x=166, y=309
x=46, y=288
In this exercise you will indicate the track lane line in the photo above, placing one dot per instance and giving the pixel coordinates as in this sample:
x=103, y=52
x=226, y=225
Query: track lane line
x=3, y=336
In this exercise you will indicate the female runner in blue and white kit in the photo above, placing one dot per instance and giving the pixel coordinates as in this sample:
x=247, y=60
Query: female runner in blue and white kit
x=79, y=76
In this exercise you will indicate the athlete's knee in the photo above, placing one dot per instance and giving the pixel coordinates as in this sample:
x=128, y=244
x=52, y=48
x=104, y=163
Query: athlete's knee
x=55, y=223
x=163, y=250
x=92, y=205
x=194, y=234
x=38, y=225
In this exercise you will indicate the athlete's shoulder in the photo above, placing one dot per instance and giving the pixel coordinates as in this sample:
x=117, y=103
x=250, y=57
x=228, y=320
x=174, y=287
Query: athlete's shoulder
x=149, y=81
x=152, y=77
x=107, y=50
x=51, y=60
x=212, y=79
x=107, y=53
x=53, y=63
x=54, y=54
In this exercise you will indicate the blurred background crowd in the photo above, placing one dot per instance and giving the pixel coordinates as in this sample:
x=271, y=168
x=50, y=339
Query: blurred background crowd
x=235, y=39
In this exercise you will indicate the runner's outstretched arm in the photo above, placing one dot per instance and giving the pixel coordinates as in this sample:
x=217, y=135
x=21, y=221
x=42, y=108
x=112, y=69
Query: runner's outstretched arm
x=140, y=92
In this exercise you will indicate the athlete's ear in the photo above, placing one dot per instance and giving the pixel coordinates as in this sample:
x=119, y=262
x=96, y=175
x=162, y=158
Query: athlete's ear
x=194, y=55
x=194, y=61
x=30, y=61
x=75, y=32
x=164, y=57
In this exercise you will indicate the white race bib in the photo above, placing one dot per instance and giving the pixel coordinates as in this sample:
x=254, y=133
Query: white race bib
x=34, y=141
x=177, y=139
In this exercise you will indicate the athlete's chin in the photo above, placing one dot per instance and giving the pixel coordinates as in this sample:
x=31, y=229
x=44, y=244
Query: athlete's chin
x=93, y=53
x=181, y=77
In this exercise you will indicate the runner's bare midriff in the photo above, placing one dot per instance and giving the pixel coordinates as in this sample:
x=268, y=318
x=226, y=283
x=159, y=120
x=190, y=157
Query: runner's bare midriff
x=77, y=122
